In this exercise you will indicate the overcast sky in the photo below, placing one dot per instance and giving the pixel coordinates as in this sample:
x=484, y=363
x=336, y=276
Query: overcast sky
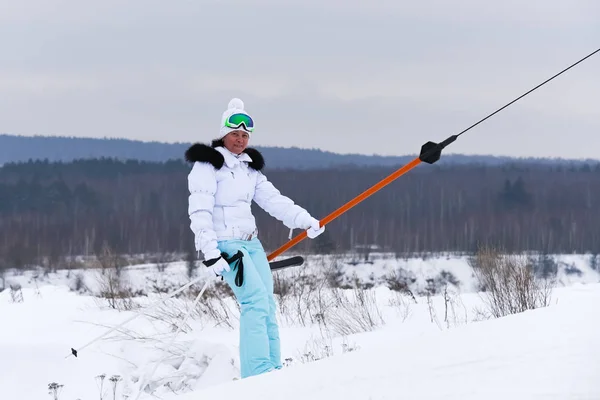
x=371, y=77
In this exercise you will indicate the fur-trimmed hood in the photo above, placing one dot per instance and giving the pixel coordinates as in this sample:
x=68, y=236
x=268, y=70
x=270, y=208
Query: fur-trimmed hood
x=199, y=152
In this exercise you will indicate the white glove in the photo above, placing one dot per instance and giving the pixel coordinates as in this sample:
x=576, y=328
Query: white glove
x=315, y=228
x=218, y=266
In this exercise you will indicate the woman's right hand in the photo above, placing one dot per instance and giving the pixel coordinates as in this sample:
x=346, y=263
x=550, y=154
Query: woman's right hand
x=218, y=266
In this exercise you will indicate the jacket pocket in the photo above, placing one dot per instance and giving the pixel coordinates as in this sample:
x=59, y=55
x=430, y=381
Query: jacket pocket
x=224, y=216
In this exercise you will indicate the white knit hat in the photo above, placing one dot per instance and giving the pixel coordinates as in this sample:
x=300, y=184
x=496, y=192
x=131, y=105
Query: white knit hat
x=235, y=106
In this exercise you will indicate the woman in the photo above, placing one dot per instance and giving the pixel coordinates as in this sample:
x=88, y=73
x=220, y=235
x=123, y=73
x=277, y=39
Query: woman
x=224, y=180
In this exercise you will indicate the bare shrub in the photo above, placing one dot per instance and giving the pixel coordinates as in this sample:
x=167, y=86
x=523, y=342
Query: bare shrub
x=316, y=349
x=3, y=268
x=399, y=280
x=78, y=284
x=509, y=283
x=348, y=348
x=480, y=314
x=173, y=314
x=430, y=292
x=191, y=263
x=161, y=261
x=114, y=290
x=435, y=285
x=306, y=299
x=296, y=291
x=334, y=271
x=357, y=282
x=108, y=260
x=282, y=290
x=545, y=266
x=594, y=262
x=402, y=304
x=452, y=303
x=354, y=313
x=215, y=307
x=157, y=284
x=454, y=310
x=281, y=286
x=16, y=294
x=51, y=262
x=302, y=298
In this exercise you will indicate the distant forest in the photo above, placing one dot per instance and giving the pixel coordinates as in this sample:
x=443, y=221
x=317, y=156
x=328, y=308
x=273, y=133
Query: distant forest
x=53, y=210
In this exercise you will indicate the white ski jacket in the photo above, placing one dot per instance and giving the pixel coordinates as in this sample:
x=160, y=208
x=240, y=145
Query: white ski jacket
x=222, y=187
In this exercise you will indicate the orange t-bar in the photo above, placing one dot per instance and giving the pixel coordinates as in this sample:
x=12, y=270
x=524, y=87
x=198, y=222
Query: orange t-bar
x=373, y=189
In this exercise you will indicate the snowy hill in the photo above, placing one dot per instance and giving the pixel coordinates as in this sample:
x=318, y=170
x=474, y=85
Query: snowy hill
x=549, y=353
x=363, y=342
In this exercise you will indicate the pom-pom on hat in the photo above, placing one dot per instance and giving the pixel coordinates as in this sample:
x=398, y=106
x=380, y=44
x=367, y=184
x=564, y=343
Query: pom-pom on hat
x=236, y=106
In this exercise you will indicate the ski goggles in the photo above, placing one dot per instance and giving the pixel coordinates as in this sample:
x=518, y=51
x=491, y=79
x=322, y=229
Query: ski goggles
x=239, y=120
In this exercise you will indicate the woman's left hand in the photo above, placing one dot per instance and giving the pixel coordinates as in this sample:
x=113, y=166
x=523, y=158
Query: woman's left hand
x=315, y=229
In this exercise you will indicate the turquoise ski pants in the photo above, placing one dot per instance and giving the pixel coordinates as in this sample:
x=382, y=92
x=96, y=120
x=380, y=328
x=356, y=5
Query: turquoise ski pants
x=259, y=334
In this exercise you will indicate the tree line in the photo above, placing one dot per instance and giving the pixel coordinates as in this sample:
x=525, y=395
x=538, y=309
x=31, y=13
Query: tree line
x=56, y=209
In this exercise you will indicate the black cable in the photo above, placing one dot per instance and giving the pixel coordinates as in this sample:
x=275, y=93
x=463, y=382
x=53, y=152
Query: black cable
x=526, y=93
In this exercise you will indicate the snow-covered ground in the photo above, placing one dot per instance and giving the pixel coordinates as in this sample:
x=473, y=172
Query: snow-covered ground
x=550, y=353
x=382, y=344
